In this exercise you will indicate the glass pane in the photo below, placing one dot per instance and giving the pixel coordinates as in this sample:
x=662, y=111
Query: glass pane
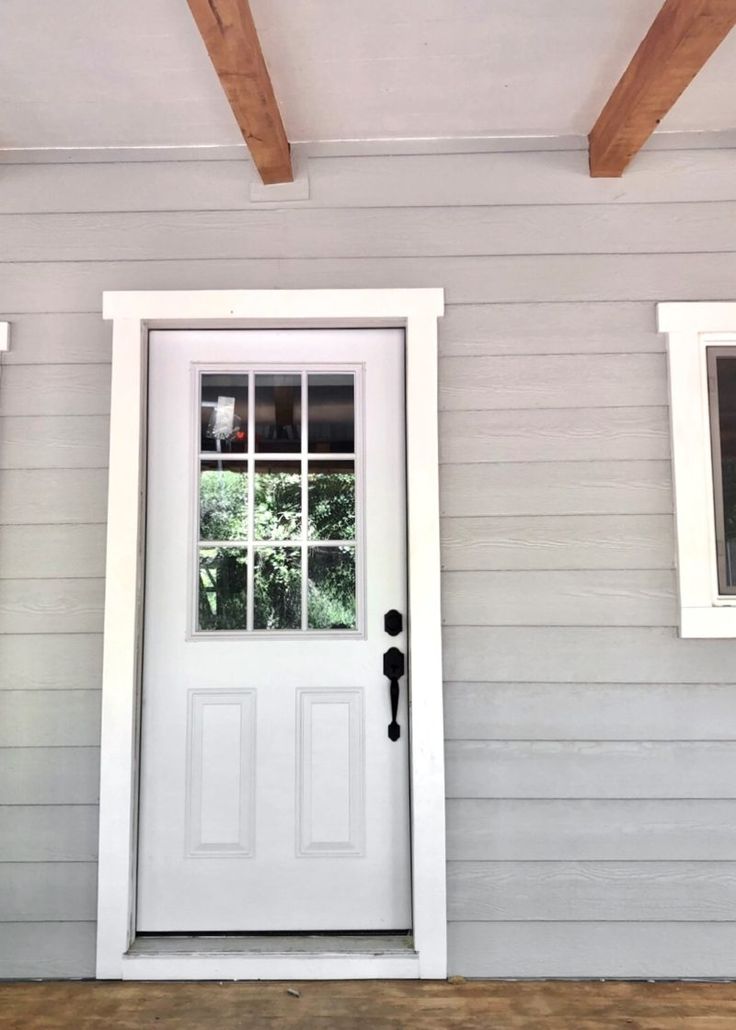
x=726, y=501
x=278, y=491
x=223, y=496
x=224, y=413
x=331, y=596
x=277, y=595
x=331, y=500
x=222, y=588
x=332, y=413
x=278, y=413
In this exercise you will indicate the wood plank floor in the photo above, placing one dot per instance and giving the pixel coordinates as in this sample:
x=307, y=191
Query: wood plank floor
x=368, y=1005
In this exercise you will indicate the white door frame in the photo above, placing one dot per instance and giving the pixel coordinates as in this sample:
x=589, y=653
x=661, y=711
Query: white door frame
x=133, y=314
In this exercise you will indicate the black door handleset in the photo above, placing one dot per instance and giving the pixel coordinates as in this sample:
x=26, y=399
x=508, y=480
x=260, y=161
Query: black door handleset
x=393, y=669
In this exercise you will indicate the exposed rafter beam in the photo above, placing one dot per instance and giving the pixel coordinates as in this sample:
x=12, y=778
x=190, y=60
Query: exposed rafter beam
x=681, y=39
x=232, y=42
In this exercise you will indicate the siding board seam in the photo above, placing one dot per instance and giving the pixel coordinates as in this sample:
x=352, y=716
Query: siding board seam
x=271, y=212
x=587, y=740
x=502, y=411
x=527, y=570
x=698, y=919
x=503, y=256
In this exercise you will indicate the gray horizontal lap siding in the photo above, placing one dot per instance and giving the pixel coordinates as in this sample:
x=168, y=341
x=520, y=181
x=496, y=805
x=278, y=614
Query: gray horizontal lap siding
x=589, y=751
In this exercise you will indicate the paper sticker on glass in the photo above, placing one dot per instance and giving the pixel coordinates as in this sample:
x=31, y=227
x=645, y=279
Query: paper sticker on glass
x=277, y=512
x=224, y=413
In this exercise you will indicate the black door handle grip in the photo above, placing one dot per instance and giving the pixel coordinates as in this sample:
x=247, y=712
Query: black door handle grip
x=393, y=669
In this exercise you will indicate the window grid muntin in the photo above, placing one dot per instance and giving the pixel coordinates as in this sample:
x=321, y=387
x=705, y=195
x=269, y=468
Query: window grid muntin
x=304, y=456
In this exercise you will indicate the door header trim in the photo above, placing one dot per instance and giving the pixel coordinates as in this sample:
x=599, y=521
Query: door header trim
x=278, y=307
x=133, y=313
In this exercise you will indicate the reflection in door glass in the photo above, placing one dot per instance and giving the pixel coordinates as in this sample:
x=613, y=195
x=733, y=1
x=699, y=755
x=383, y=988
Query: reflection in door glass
x=278, y=503
x=278, y=413
x=277, y=593
x=222, y=588
x=224, y=413
x=332, y=500
x=331, y=413
x=331, y=592
x=223, y=494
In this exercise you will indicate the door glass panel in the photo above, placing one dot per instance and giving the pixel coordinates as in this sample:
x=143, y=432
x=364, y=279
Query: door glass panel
x=278, y=505
x=278, y=413
x=331, y=413
x=331, y=500
x=224, y=413
x=277, y=592
x=222, y=588
x=223, y=500
x=331, y=589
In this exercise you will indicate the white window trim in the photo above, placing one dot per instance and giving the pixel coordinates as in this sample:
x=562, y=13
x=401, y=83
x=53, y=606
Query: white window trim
x=133, y=314
x=691, y=329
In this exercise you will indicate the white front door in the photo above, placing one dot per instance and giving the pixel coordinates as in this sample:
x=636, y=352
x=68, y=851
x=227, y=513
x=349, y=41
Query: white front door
x=272, y=796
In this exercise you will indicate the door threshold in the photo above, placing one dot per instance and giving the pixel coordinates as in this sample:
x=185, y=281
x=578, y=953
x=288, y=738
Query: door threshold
x=274, y=944
x=272, y=957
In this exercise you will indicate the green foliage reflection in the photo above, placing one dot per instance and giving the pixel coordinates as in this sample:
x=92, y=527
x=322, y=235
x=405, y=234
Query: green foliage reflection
x=277, y=602
x=278, y=505
x=331, y=504
x=331, y=602
x=222, y=504
x=222, y=588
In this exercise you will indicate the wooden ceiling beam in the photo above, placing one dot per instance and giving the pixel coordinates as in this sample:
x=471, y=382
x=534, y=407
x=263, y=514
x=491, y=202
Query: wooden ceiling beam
x=230, y=35
x=681, y=39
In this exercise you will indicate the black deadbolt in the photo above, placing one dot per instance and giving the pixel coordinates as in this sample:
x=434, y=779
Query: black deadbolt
x=393, y=623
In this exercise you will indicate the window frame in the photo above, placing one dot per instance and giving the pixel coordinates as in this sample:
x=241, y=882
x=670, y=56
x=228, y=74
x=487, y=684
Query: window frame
x=692, y=329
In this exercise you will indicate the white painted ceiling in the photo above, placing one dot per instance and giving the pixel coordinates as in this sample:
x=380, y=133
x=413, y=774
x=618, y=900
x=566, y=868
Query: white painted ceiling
x=91, y=73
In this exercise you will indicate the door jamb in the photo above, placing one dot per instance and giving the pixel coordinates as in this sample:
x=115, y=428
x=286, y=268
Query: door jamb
x=133, y=314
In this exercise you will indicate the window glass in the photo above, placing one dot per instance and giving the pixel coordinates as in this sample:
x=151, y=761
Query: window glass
x=278, y=413
x=223, y=500
x=331, y=601
x=277, y=592
x=276, y=522
x=278, y=501
x=222, y=588
x=331, y=413
x=224, y=413
x=722, y=381
x=331, y=500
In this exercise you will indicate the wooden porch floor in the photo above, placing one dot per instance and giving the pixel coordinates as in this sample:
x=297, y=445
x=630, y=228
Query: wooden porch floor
x=368, y=1005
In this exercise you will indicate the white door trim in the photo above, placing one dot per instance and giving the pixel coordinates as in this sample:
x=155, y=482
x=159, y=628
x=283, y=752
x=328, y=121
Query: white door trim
x=133, y=314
